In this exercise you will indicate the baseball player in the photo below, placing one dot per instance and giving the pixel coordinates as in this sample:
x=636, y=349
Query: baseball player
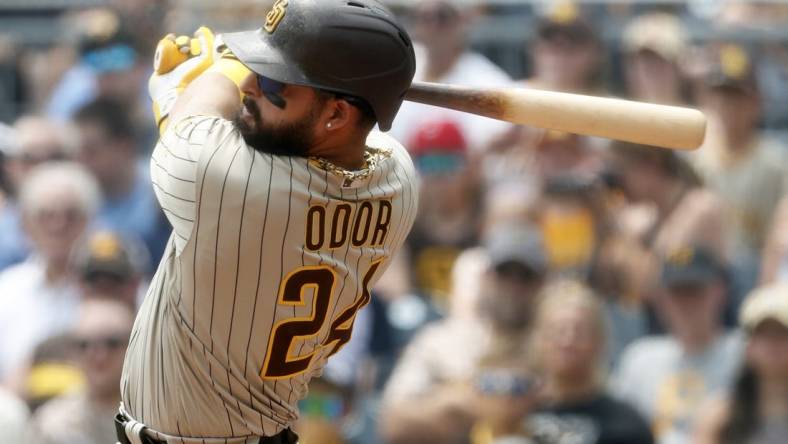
x=286, y=208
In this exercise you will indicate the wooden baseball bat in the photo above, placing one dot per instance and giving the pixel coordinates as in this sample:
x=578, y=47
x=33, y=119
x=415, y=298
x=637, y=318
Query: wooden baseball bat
x=643, y=123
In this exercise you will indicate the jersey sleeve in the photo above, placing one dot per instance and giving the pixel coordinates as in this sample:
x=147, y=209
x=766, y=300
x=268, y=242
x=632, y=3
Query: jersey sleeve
x=178, y=159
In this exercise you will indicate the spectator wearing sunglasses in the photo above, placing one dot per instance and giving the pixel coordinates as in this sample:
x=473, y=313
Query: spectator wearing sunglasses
x=441, y=30
x=32, y=141
x=85, y=417
x=39, y=297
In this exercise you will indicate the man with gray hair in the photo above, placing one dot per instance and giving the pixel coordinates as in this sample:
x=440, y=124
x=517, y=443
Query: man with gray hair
x=32, y=141
x=38, y=298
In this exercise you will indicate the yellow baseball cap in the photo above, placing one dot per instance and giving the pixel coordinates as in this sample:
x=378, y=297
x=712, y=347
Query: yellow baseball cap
x=768, y=302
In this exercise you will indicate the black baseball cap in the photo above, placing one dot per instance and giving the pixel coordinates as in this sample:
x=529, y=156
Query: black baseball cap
x=691, y=266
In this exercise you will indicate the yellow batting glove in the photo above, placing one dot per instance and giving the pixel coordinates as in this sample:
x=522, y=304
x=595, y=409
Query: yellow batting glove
x=229, y=65
x=178, y=61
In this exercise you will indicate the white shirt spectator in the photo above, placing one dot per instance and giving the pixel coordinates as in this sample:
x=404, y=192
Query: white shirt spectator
x=471, y=69
x=668, y=386
x=13, y=418
x=31, y=310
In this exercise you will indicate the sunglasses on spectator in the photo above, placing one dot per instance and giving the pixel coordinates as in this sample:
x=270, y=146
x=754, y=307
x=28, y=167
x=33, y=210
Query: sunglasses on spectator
x=109, y=343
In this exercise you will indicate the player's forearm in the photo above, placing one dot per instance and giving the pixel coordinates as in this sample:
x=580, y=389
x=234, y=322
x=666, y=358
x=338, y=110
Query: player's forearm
x=211, y=94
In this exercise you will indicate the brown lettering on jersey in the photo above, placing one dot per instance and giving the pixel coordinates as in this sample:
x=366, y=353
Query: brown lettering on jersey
x=280, y=362
x=339, y=233
x=315, y=228
x=345, y=226
x=363, y=219
x=382, y=224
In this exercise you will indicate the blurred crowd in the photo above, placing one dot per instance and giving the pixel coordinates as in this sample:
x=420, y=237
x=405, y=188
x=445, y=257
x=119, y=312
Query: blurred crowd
x=555, y=289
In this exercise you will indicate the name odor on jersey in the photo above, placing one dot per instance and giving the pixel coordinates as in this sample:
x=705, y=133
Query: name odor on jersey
x=334, y=227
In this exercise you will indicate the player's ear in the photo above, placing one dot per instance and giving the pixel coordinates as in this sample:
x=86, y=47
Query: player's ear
x=340, y=115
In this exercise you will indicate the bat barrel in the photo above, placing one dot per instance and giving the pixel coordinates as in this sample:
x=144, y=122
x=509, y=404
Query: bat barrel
x=636, y=122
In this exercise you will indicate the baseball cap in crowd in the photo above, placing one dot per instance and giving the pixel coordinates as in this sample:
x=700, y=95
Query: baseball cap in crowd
x=106, y=254
x=731, y=67
x=765, y=303
x=517, y=244
x=660, y=33
x=563, y=20
x=691, y=266
x=104, y=46
x=438, y=147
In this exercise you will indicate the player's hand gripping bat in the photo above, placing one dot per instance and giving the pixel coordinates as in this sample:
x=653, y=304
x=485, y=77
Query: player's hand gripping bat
x=644, y=123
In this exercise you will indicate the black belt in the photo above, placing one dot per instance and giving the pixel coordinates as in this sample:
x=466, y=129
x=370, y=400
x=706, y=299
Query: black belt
x=286, y=436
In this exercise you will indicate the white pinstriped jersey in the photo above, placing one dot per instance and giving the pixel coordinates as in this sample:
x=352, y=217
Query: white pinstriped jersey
x=270, y=259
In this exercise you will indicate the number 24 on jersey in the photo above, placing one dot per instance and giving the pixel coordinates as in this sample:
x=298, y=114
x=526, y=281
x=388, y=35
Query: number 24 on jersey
x=279, y=361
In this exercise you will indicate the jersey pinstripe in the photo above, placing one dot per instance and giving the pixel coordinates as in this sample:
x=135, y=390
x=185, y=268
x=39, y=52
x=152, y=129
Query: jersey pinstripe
x=269, y=261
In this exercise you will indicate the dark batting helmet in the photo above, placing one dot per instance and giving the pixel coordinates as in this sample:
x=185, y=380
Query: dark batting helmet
x=351, y=47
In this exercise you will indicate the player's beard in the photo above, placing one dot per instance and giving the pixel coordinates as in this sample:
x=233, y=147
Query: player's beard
x=293, y=139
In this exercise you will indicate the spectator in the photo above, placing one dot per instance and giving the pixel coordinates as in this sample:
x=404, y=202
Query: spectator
x=568, y=347
x=86, y=416
x=653, y=45
x=107, y=65
x=430, y=397
x=741, y=165
x=567, y=54
x=38, y=298
x=13, y=417
x=448, y=222
x=441, y=29
x=111, y=265
x=756, y=411
x=36, y=141
x=668, y=377
x=108, y=150
x=669, y=208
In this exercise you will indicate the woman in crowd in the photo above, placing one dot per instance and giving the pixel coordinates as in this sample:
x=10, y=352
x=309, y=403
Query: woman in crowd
x=569, y=342
x=756, y=412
